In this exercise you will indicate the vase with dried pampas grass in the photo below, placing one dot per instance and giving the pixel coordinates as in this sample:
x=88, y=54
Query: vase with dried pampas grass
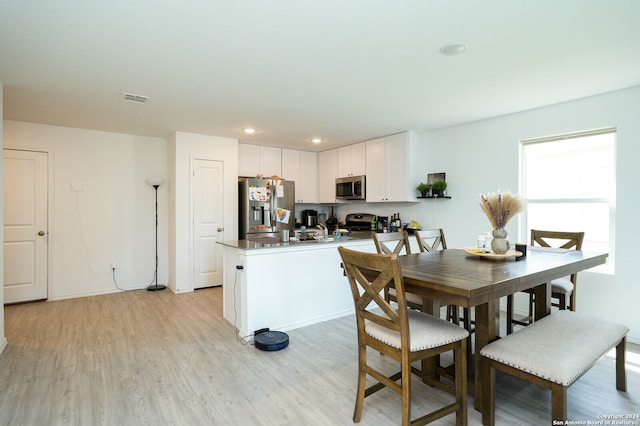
x=500, y=207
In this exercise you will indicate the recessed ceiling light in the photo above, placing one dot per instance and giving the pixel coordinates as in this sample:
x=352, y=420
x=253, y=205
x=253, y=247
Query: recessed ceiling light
x=316, y=140
x=249, y=130
x=453, y=49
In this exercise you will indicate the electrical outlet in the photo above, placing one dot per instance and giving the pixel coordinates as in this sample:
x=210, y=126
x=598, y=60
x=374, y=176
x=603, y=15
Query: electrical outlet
x=113, y=266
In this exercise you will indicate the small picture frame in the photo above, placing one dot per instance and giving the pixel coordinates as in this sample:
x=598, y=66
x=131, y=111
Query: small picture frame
x=433, y=177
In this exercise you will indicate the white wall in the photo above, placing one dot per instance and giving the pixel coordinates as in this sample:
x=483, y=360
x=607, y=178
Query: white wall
x=3, y=339
x=183, y=147
x=112, y=220
x=483, y=156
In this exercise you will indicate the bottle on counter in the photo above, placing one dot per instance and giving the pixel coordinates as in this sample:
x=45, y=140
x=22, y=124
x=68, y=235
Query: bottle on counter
x=396, y=223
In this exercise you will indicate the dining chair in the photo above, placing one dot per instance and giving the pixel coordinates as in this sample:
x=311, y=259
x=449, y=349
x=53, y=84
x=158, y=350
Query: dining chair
x=562, y=289
x=430, y=239
x=397, y=243
x=392, y=242
x=402, y=334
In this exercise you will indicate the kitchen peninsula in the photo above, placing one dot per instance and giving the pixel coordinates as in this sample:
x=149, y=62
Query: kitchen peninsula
x=284, y=286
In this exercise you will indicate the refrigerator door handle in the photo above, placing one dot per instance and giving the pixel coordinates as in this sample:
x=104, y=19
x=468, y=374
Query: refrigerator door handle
x=267, y=217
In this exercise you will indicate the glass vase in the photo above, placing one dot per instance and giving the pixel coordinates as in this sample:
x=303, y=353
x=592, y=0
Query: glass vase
x=499, y=244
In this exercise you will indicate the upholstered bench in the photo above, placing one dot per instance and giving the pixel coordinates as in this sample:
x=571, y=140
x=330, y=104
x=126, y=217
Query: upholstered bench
x=553, y=353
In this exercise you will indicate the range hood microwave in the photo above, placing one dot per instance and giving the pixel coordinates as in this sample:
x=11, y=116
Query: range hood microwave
x=351, y=188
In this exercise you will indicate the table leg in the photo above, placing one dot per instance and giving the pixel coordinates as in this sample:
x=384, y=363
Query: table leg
x=486, y=332
x=543, y=300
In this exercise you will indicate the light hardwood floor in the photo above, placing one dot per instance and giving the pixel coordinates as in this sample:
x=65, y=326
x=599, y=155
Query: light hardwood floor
x=158, y=358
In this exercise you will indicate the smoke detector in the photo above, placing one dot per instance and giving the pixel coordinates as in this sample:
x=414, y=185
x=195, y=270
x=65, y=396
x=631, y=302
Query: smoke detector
x=136, y=99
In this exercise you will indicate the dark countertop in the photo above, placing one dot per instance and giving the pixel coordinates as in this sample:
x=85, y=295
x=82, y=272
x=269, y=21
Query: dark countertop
x=355, y=237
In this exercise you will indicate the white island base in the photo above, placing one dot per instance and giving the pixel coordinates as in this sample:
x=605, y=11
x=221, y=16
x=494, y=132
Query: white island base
x=285, y=286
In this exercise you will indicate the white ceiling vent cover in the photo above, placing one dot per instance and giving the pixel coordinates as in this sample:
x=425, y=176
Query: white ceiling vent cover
x=136, y=99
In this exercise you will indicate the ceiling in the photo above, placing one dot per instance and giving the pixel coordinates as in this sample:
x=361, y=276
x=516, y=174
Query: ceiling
x=345, y=71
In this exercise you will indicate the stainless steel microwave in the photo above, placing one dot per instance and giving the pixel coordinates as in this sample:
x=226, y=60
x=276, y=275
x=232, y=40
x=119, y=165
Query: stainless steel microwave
x=351, y=188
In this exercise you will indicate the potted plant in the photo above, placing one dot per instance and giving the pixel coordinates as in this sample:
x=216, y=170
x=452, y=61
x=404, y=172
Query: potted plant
x=438, y=188
x=424, y=189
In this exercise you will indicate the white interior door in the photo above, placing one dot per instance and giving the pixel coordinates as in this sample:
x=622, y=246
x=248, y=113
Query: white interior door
x=25, y=225
x=208, y=222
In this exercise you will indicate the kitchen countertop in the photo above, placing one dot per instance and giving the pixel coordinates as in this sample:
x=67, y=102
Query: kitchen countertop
x=361, y=236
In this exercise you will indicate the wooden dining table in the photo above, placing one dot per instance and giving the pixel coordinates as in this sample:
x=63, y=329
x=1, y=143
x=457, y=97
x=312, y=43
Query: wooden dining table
x=456, y=277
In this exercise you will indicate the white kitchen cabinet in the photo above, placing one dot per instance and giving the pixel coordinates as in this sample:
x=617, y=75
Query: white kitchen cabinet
x=328, y=166
x=393, y=168
x=256, y=160
x=351, y=160
x=377, y=166
x=301, y=167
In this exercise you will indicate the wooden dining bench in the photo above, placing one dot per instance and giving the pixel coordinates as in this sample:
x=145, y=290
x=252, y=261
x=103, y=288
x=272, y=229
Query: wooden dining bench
x=553, y=353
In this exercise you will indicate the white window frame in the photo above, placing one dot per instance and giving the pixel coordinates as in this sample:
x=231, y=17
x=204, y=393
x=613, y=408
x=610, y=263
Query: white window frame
x=523, y=227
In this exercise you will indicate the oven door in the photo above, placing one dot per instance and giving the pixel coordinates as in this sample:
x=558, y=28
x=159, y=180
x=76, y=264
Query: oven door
x=344, y=189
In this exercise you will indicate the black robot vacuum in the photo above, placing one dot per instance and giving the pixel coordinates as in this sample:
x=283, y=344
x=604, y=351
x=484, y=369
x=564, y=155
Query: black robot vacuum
x=271, y=340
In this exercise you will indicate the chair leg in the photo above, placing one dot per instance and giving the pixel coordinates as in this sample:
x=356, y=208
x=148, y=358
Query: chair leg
x=532, y=305
x=466, y=321
x=452, y=314
x=406, y=393
x=621, y=374
x=562, y=302
x=572, y=300
x=461, y=383
x=362, y=381
x=510, y=314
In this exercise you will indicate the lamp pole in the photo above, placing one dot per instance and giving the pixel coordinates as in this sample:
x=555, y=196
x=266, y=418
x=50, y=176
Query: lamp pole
x=155, y=286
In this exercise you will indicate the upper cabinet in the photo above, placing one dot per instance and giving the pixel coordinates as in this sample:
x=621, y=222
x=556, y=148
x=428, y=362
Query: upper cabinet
x=256, y=160
x=301, y=167
x=351, y=160
x=328, y=166
x=393, y=168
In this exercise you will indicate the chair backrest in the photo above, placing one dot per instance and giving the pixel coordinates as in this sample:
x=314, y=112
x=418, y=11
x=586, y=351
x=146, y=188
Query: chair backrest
x=431, y=239
x=557, y=239
x=392, y=243
x=369, y=276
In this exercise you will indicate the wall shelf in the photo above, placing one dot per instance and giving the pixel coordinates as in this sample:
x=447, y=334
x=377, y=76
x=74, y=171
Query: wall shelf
x=446, y=197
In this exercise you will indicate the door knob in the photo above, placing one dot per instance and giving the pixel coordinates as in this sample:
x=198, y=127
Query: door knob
x=220, y=229
x=41, y=233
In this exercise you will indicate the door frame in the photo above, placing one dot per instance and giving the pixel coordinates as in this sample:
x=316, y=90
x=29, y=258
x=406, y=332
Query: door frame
x=50, y=207
x=192, y=159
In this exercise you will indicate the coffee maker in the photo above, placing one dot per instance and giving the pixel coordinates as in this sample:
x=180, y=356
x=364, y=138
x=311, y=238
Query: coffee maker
x=309, y=218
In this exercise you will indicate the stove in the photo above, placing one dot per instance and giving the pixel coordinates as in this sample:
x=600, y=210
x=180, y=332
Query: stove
x=358, y=222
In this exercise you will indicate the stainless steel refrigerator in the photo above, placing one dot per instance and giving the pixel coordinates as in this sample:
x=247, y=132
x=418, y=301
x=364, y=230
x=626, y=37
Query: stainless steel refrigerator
x=267, y=206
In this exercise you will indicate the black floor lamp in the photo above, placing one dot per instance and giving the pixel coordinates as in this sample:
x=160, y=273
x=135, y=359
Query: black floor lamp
x=156, y=182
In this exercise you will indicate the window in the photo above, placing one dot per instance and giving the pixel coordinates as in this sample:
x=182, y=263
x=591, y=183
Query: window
x=569, y=184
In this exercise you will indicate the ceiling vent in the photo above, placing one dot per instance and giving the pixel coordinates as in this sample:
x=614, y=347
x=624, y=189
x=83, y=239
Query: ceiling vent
x=136, y=99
